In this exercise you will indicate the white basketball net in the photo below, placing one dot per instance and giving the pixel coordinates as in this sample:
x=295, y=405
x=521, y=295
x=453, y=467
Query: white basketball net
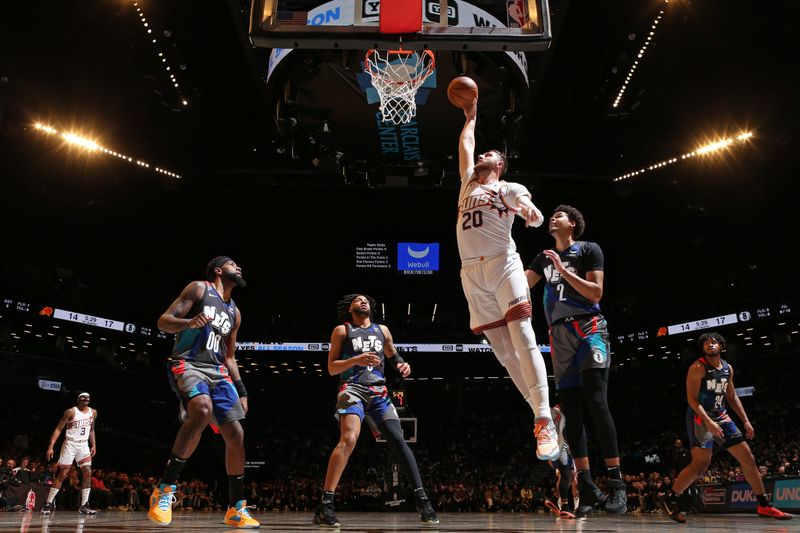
x=396, y=75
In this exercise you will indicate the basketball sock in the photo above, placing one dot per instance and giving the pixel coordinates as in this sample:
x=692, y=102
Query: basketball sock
x=762, y=500
x=585, y=477
x=327, y=497
x=51, y=496
x=614, y=472
x=235, y=489
x=532, y=365
x=173, y=470
x=85, y=496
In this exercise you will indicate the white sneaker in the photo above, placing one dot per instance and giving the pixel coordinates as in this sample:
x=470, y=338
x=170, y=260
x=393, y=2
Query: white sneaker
x=547, y=448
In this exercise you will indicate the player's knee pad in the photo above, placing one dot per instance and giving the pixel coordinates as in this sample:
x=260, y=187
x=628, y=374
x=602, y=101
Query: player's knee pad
x=522, y=334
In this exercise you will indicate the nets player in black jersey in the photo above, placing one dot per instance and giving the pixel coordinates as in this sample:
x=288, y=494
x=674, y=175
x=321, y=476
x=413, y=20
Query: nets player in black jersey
x=579, y=347
x=204, y=374
x=358, y=350
x=709, y=387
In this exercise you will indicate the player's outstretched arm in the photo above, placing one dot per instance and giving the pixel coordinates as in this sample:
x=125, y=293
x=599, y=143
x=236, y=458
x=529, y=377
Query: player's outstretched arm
x=466, y=144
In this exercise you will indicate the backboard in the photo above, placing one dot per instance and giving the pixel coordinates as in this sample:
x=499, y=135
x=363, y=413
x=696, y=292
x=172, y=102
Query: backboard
x=479, y=25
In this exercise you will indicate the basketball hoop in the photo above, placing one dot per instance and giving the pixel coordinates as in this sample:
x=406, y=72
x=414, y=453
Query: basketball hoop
x=396, y=75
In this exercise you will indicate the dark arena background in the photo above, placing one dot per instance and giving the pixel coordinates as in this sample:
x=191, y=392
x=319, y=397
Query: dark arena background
x=140, y=139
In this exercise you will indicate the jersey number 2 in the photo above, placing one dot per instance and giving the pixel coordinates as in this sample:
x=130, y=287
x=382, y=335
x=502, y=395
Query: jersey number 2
x=472, y=219
x=560, y=289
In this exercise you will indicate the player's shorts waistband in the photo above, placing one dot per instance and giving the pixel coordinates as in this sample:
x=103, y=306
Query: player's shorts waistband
x=474, y=261
x=572, y=318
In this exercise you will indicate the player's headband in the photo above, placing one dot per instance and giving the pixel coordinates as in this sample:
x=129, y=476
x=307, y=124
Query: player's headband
x=216, y=263
x=82, y=394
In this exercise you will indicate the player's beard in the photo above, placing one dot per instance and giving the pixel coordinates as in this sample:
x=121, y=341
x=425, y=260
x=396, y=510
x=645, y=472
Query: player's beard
x=360, y=312
x=235, y=278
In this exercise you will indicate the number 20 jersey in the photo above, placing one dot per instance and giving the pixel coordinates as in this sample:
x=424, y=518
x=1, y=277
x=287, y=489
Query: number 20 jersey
x=485, y=216
x=208, y=344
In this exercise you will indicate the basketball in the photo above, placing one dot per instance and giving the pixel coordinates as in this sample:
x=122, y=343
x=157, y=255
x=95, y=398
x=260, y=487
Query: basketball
x=462, y=91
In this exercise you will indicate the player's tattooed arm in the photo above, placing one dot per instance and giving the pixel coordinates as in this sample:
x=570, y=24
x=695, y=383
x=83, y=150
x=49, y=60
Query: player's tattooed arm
x=174, y=318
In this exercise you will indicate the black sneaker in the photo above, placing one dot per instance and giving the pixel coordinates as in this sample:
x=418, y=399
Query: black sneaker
x=590, y=498
x=617, y=501
x=85, y=509
x=426, y=513
x=669, y=504
x=48, y=507
x=325, y=516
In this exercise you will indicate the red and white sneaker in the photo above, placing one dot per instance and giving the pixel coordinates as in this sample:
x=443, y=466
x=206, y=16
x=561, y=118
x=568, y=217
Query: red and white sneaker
x=547, y=448
x=771, y=512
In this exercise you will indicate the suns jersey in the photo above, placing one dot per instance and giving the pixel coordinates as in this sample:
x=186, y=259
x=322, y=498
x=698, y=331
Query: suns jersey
x=80, y=426
x=360, y=340
x=208, y=344
x=485, y=216
x=713, y=388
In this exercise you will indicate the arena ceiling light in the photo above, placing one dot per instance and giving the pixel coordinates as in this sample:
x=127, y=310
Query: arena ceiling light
x=636, y=62
x=73, y=139
x=162, y=57
x=702, y=150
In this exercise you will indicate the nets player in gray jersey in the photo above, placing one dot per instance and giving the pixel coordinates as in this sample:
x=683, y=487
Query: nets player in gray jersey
x=579, y=347
x=205, y=375
x=357, y=353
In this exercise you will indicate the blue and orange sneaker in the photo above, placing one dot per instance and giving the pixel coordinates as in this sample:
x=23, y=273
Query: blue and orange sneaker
x=161, y=504
x=239, y=516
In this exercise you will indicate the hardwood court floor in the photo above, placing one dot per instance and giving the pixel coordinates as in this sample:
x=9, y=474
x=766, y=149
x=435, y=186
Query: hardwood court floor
x=184, y=522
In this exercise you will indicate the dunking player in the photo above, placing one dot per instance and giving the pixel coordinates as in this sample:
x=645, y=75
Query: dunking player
x=79, y=446
x=579, y=347
x=493, y=278
x=204, y=373
x=357, y=354
x=709, y=386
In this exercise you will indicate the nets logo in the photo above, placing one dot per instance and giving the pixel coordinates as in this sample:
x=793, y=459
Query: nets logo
x=459, y=347
x=447, y=347
x=326, y=346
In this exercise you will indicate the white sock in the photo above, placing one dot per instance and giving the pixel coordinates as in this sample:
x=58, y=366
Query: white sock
x=532, y=364
x=85, y=496
x=51, y=496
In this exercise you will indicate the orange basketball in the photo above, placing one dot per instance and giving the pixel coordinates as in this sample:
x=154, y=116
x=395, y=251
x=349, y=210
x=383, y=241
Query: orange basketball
x=462, y=91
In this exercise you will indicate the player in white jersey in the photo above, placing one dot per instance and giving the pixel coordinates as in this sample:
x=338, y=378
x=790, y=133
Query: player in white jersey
x=493, y=277
x=78, y=447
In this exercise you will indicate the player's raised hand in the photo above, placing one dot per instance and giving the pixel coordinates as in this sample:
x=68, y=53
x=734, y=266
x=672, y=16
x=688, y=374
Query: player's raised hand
x=533, y=217
x=556, y=259
x=471, y=111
